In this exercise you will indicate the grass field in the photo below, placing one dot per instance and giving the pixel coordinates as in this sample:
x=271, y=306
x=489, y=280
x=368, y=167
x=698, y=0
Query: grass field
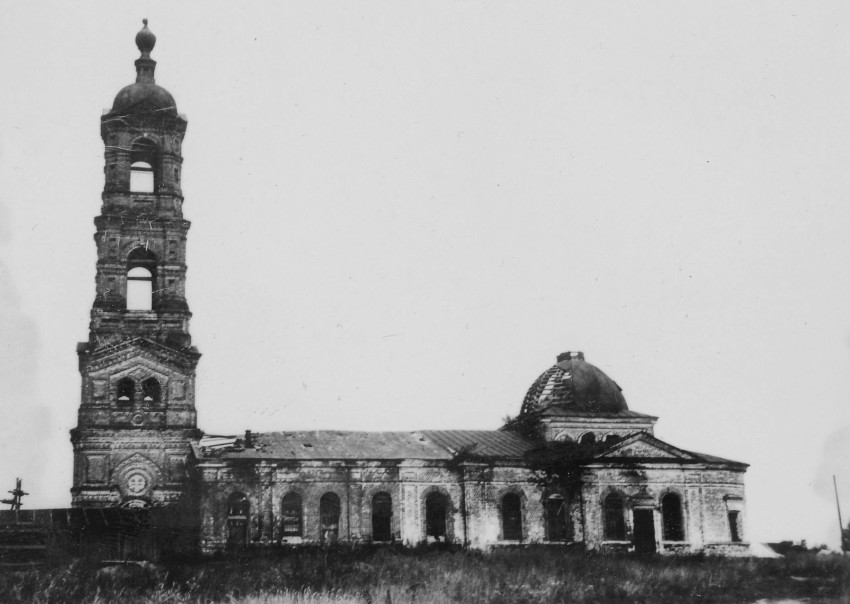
x=398, y=576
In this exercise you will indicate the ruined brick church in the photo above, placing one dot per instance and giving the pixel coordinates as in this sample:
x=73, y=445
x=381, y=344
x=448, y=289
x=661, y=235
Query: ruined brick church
x=576, y=466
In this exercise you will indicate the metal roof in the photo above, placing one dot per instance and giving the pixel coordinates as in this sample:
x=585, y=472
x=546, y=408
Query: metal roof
x=334, y=444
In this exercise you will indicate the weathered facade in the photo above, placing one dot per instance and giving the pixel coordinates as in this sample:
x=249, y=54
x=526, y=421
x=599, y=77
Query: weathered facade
x=137, y=413
x=575, y=467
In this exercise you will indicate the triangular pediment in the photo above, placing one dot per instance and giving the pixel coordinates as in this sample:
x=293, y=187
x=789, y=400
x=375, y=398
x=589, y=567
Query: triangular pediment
x=156, y=353
x=645, y=446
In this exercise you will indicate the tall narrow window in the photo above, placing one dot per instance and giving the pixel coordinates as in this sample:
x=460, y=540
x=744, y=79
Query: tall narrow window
x=436, y=510
x=614, y=517
x=141, y=279
x=291, y=524
x=151, y=391
x=329, y=517
x=382, y=516
x=144, y=156
x=671, y=516
x=557, y=519
x=125, y=390
x=238, y=510
x=139, y=289
x=734, y=529
x=141, y=177
x=511, y=517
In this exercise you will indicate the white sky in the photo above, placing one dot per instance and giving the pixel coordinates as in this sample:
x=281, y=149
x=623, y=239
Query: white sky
x=402, y=211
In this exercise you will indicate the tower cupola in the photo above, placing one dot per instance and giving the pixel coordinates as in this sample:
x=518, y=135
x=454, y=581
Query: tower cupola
x=144, y=95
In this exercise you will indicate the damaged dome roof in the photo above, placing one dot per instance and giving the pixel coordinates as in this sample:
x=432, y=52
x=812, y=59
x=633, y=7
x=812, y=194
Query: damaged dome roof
x=574, y=384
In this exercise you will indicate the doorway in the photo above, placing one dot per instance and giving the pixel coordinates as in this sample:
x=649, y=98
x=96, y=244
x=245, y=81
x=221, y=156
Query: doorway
x=644, y=534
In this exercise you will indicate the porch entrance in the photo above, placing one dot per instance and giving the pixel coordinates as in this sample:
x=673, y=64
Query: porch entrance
x=644, y=531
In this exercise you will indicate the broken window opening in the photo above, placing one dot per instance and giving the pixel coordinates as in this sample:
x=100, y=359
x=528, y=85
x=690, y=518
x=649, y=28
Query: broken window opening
x=512, y=517
x=151, y=391
x=141, y=277
x=238, y=509
x=291, y=521
x=382, y=514
x=329, y=517
x=125, y=391
x=141, y=177
x=238, y=505
x=143, y=163
x=436, y=510
x=588, y=438
x=734, y=528
x=139, y=289
x=671, y=517
x=613, y=512
x=558, y=525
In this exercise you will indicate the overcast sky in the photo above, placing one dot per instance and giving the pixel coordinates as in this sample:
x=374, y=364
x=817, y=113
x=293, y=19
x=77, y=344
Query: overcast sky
x=403, y=211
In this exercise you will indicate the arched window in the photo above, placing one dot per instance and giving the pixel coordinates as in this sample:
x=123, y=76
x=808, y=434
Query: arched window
x=671, y=516
x=139, y=289
x=238, y=505
x=141, y=273
x=512, y=517
x=125, y=391
x=613, y=512
x=436, y=511
x=329, y=517
x=734, y=526
x=141, y=177
x=238, y=510
x=143, y=162
x=151, y=391
x=589, y=438
x=382, y=516
x=291, y=522
x=558, y=525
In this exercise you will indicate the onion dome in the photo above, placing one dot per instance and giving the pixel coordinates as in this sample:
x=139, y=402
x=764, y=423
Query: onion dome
x=145, y=39
x=144, y=95
x=574, y=385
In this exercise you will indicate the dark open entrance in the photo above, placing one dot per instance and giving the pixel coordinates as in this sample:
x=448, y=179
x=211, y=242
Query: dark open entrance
x=238, y=509
x=671, y=517
x=291, y=521
x=644, y=535
x=329, y=517
x=557, y=519
x=382, y=515
x=734, y=533
x=436, y=508
x=511, y=517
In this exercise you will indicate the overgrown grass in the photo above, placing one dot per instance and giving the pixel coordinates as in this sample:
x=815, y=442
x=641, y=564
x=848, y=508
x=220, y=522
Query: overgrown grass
x=400, y=576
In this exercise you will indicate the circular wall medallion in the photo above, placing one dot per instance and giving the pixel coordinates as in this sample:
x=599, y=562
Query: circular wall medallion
x=136, y=483
x=138, y=419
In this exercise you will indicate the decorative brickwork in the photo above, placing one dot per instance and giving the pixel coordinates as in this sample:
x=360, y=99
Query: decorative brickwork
x=137, y=413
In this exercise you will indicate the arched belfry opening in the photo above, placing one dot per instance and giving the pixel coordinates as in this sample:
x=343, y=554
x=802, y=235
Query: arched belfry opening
x=144, y=164
x=141, y=279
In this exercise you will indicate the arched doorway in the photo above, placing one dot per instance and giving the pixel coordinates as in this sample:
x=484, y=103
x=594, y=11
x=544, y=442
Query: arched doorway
x=382, y=515
x=558, y=525
x=436, y=512
x=512, y=517
x=238, y=510
x=329, y=518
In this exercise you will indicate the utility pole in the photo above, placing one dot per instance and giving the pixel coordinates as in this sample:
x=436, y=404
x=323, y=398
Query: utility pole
x=843, y=533
x=15, y=501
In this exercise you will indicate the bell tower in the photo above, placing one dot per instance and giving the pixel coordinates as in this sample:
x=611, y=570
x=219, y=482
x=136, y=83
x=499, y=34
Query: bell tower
x=137, y=413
